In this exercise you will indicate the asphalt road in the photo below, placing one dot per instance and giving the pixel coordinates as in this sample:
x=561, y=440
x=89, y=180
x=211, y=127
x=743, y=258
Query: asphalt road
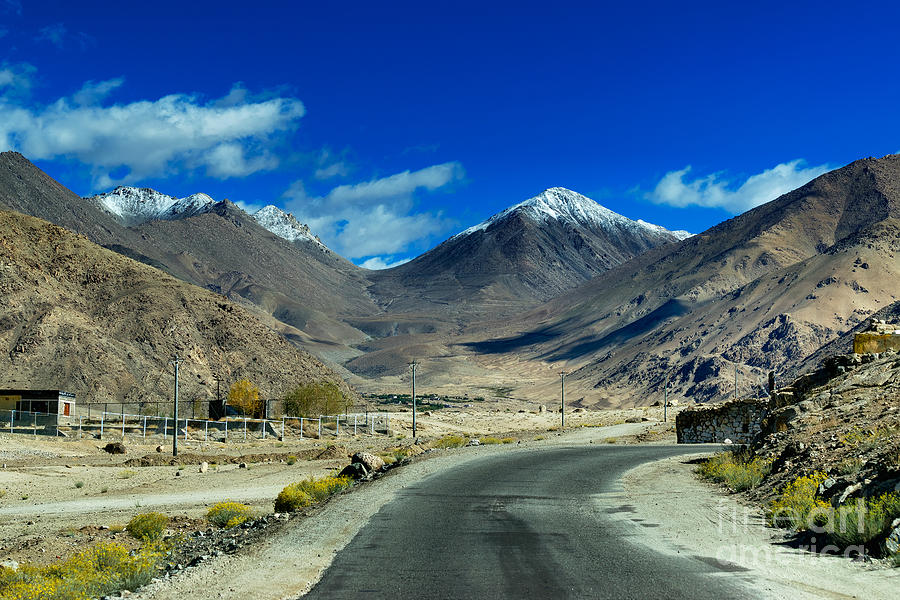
x=544, y=523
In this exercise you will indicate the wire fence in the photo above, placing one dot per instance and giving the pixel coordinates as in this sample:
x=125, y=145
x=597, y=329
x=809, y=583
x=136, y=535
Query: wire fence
x=123, y=426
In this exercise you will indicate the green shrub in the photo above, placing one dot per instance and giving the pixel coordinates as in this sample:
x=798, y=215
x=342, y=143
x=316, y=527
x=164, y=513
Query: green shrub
x=147, y=526
x=797, y=507
x=229, y=514
x=79, y=484
x=490, y=440
x=863, y=521
x=291, y=459
x=450, y=441
x=127, y=474
x=305, y=493
x=737, y=469
x=97, y=571
x=507, y=440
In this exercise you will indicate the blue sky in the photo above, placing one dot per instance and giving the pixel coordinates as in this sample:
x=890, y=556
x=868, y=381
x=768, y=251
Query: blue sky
x=390, y=126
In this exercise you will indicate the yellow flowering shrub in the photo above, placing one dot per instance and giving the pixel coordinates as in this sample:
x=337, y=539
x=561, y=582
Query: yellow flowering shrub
x=229, y=514
x=797, y=501
x=97, y=571
x=307, y=492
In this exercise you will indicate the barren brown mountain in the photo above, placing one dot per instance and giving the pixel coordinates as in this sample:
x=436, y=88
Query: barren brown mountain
x=758, y=292
x=84, y=319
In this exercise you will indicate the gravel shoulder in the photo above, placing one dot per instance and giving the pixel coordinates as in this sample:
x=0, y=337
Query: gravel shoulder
x=685, y=515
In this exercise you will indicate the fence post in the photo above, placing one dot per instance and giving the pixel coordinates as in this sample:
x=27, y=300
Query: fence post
x=320, y=427
x=79, y=427
x=264, y=422
x=145, y=427
x=165, y=427
x=301, y=428
x=245, y=429
x=34, y=423
x=354, y=424
x=337, y=421
x=102, y=415
x=205, y=431
x=12, y=418
x=123, y=424
x=226, y=429
x=185, y=429
x=282, y=428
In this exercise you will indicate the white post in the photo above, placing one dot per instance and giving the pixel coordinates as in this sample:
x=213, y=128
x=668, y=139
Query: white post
x=12, y=417
x=79, y=427
x=245, y=429
x=102, y=415
x=205, y=431
x=226, y=429
x=301, y=428
x=264, y=422
x=123, y=425
x=354, y=424
x=165, y=427
x=145, y=427
x=34, y=423
x=337, y=422
x=320, y=428
x=282, y=428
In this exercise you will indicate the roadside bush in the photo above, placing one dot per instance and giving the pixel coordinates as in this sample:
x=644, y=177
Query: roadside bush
x=229, y=514
x=507, y=440
x=147, y=526
x=450, y=441
x=863, y=521
x=736, y=469
x=95, y=572
x=795, y=506
x=305, y=493
x=490, y=440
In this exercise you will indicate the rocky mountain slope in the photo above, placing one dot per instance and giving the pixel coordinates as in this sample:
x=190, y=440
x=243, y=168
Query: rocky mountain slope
x=81, y=318
x=758, y=292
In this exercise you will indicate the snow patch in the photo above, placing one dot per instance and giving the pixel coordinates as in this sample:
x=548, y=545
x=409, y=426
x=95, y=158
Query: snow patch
x=567, y=206
x=133, y=206
x=285, y=225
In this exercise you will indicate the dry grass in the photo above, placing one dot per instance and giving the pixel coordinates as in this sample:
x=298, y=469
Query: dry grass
x=736, y=469
x=450, y=441
x=147, y=526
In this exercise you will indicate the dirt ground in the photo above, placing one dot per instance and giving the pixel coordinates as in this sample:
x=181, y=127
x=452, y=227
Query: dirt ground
x=56, y=496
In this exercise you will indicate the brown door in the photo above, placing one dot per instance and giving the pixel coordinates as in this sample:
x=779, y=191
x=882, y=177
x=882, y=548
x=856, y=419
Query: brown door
x=66, y=408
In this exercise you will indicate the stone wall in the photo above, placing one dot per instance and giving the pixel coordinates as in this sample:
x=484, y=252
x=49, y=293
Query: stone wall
x=739, y=421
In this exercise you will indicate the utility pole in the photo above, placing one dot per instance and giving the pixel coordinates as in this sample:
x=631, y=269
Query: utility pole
x=413, y=366
x=666, y=400
x=177, y=363
x=562, y=399
x=735, y=381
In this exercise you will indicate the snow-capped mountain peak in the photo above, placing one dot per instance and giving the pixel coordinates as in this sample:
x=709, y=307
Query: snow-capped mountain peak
x=133, y=206
x=285, y=225
x=564, y=205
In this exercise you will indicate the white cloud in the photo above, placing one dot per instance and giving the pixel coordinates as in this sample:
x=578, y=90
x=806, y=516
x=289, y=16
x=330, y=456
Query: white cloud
x=55, y=34
x=124, y=143
x=376, y=217
x=94, y=92
x=715, y=191
x=377, y=263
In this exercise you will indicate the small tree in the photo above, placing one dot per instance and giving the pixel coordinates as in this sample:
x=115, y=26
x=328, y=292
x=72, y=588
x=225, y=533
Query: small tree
x=244, y=396
x=314, y=399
